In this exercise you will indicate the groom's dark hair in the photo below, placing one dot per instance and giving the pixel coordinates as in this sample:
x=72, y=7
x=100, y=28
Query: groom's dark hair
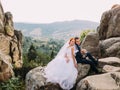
x=76, y=39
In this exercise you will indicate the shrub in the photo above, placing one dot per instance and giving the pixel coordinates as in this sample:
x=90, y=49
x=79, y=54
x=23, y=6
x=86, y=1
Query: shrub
x=84, y=33
x=13, y=84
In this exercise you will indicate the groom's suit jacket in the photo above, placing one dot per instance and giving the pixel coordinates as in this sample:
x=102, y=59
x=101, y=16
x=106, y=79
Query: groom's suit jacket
x=78, y=55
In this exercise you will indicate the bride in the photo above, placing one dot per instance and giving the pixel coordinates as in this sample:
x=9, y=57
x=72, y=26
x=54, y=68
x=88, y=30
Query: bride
x=63, y=68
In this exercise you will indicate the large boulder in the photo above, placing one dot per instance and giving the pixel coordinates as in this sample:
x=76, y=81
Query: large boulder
x=1, y=19
x=4, y=44
x=114, y=61
x=110, y=68
x=110, y=23
x=91, y=43
x=110, y=47
x=108, y=81
x=9, y=29
x=10, y=45
x=5, y=67
x=83, y=70
x=35, y=78
x=109, y=32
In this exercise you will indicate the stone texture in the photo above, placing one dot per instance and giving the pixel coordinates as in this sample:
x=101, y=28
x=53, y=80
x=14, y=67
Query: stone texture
x=110, y=68
x=5, y=67
x=109, y=25
x=110, y=47
x=9, y=29
x=113, y=50
x=10, y=46
x=108, y=81
x=109, y=42
x=36, y=81
x=91, y=43
x=109, y=32
x=114, y=61
x=1, y=19
x=4, y=44
x=83, y=70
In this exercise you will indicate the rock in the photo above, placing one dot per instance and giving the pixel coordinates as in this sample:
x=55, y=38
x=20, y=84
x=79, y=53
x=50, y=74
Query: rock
x=109, y=42
x=36, y=81
x=4, y=44
x=19, y=36
x=110, y=47
x=110, y=23
x=114, y=50
x=91, y=43
x=83, y=70
x=10, y=46
x=1, y=19
x=114, y=61
x=110, y=68
x=5, y=67
x=9, y=29
x=108, y=81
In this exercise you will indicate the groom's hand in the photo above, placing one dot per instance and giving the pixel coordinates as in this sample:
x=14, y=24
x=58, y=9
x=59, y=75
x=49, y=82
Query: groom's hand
x=83, y=51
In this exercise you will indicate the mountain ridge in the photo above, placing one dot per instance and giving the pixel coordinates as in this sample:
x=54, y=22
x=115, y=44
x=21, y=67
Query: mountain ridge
x=55, y=29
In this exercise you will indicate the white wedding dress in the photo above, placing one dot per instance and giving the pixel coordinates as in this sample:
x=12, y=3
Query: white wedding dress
x=61, y=72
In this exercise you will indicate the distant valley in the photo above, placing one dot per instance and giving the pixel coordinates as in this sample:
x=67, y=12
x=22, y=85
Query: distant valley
x=56, y=30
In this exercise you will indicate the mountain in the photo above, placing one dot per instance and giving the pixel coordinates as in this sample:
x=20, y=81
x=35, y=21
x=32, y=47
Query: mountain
x=57, y=30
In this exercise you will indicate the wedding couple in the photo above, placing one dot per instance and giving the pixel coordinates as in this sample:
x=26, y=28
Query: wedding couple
x=63, y=68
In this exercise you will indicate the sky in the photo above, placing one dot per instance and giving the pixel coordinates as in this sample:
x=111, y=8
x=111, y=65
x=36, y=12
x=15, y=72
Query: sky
x=47, y=11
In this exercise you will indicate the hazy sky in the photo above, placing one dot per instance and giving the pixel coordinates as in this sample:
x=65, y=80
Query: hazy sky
x=46, y=11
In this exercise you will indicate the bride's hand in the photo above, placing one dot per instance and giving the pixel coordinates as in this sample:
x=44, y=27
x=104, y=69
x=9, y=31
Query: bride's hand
x=67, y=60
x=76, y=65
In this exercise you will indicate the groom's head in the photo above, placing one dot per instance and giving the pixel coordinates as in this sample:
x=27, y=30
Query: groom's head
x=77, y=40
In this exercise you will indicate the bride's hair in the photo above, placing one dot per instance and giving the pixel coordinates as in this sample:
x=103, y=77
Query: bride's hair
x=71, y=40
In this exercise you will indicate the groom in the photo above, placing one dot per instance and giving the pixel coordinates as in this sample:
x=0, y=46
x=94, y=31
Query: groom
x=80, y=59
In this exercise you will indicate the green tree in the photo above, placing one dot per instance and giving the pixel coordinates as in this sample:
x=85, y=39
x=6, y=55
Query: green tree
x=32, y=54
x=84, y=33
x=52, y=54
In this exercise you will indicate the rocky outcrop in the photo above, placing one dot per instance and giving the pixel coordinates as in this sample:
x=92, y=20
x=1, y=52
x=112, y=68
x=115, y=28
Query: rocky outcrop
x=106, y=46
x=110, y=68
x=10, y=46
x=106, y=41
x=5, y=67
x=114, y=61
x=110, y=23
x=83, y=70
x=108, y=81
x=36, y=81
x=109, y=32
x=91, y=43
x=110, y=47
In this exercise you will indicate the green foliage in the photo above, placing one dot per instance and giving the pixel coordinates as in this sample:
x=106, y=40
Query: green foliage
x=84, y=33
x=13, y=84
x=44, y=52
x=52, y=54
x=32, y=54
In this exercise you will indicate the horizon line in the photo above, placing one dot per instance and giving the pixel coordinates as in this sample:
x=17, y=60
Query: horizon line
x=54, y=21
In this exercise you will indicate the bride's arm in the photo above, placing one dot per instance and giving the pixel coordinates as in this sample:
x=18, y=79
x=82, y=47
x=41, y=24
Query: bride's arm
x=73, y=56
